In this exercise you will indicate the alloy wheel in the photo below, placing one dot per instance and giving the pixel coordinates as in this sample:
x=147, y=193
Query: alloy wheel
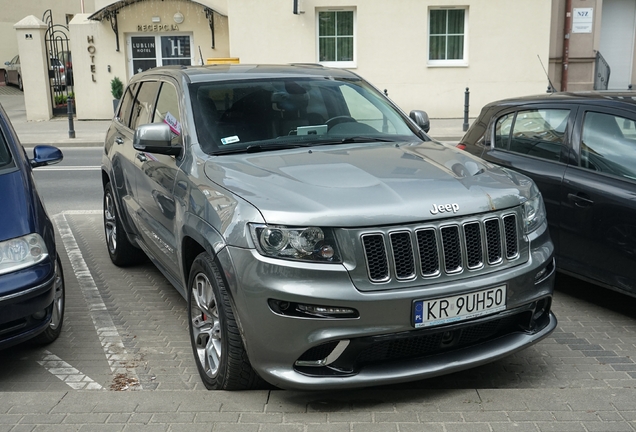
x=206, y=326
x=110, y=223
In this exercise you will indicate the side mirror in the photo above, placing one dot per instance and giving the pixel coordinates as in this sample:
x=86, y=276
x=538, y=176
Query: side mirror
x=155, y=138
x=45, y=155
x=421, y=119
x=7, y=63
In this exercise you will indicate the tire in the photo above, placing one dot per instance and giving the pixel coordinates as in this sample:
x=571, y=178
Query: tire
x=121, y=251
x=6, y=78
x=216, y=341
x=20, y=86
x=57, y=315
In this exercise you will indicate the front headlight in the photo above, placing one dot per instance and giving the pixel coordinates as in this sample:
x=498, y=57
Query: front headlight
x=533, y=213
x=21, y=252
x=298, y=243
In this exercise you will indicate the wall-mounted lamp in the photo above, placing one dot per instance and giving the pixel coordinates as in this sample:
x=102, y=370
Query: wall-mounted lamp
x=156, y=19
x=108, y=68
x=178, y=18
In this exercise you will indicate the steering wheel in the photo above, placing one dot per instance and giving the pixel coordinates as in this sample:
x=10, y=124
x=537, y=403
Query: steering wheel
x=339, y=119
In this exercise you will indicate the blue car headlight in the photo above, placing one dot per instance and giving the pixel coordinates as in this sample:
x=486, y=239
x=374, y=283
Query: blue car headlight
x=22, y=252
x=533, y=213
x=297, y=243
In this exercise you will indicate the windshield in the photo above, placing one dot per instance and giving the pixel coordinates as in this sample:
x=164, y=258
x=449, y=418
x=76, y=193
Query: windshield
x=271, y=114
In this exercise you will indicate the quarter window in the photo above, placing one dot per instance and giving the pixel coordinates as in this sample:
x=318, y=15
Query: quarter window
x=608, y=145
x=447, y=37
x=336, y=37
x=167, y=111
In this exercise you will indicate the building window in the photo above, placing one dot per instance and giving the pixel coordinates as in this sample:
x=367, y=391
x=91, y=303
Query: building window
x=336, y=31
x=447, y=37
x=153, y=50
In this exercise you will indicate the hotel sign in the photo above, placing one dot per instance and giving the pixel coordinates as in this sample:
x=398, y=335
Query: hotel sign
x=157, y=27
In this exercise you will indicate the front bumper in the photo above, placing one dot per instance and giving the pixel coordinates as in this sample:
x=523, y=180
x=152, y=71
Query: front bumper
x=379, y=345
x=26, y=303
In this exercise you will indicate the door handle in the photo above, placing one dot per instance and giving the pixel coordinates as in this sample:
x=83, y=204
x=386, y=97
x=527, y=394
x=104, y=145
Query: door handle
x=580, y=200
x=142, y=157
x=119, y=140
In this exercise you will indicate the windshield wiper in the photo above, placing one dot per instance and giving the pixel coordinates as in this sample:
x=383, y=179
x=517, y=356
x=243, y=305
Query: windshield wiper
x=255, y=148
x=358, y=139
x=353, y=139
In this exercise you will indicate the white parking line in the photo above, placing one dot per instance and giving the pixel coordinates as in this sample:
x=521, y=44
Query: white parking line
x=121, y=363
x=69, y=168
x=67, y=373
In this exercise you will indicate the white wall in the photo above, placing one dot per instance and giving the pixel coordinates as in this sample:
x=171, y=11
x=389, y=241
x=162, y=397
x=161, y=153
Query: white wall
x=504, y=39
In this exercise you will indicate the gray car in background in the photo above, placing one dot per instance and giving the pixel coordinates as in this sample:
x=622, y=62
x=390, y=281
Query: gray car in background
x=321, y=238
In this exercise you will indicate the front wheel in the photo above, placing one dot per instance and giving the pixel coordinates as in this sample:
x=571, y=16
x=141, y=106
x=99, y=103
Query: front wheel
x=121, y=251
x=216, y=341
x=57, y=314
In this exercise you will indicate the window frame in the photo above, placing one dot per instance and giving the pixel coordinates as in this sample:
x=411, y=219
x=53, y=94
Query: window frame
x=158, y=57
x=337, y=64
x=445, y=62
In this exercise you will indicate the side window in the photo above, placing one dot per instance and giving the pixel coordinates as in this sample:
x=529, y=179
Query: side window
x=502, y=131
x=365, y=112
x=539, y=133
x=142, y=108
x=167, y=110
x=608, y=144
x=125, y=108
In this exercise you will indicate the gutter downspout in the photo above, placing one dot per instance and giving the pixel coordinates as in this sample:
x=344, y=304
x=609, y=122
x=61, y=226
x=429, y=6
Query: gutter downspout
x=567, y=30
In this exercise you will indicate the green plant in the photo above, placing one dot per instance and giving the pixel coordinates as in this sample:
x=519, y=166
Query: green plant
x=116, y=88
x=60, y=99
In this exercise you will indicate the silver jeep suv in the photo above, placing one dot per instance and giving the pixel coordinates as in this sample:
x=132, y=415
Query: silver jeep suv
x=320, y=237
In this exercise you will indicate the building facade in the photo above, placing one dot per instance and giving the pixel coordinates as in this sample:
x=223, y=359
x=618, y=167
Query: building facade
x=424, y=53
x=593, y=47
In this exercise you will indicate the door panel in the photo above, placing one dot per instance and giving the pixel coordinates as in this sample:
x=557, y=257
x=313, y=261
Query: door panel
x=598, y=229
x=156, y=180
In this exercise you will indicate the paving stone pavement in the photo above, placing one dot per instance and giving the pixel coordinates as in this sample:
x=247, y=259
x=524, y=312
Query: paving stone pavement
x=124, y=363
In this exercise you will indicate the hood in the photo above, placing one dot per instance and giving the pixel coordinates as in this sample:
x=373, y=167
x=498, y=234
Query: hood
x=367, y=184
x=16, y=217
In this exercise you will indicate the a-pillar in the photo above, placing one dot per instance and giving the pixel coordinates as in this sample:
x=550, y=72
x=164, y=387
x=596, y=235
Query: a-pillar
x=31, y=33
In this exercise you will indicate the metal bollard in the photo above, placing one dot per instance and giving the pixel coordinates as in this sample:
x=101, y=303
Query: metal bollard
x=466, y=99
x=69, y=110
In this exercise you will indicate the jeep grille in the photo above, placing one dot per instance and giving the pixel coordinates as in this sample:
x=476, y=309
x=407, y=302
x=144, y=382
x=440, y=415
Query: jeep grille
x=446, y=248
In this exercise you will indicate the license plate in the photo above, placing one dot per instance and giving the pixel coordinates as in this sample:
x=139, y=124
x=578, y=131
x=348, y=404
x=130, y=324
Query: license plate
x=428, y=313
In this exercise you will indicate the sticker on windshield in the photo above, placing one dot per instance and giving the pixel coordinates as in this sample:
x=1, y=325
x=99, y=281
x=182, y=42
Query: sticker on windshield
x=174, y=124
x=230, y=140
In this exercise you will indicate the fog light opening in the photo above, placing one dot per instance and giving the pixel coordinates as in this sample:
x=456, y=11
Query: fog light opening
x=544, y=272
x=39, y=315
x=286, y=308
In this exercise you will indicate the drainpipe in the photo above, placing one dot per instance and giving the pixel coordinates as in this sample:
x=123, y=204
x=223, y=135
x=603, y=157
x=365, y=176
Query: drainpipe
x=567, y=30
x=82, y=5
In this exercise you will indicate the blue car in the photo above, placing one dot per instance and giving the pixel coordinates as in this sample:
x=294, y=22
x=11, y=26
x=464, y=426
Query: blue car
x=31, y=278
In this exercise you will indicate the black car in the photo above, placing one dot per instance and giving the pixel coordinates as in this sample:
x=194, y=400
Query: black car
x=580, y=149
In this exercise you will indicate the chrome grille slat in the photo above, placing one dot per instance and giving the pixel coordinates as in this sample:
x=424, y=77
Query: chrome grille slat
x=446, y=248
